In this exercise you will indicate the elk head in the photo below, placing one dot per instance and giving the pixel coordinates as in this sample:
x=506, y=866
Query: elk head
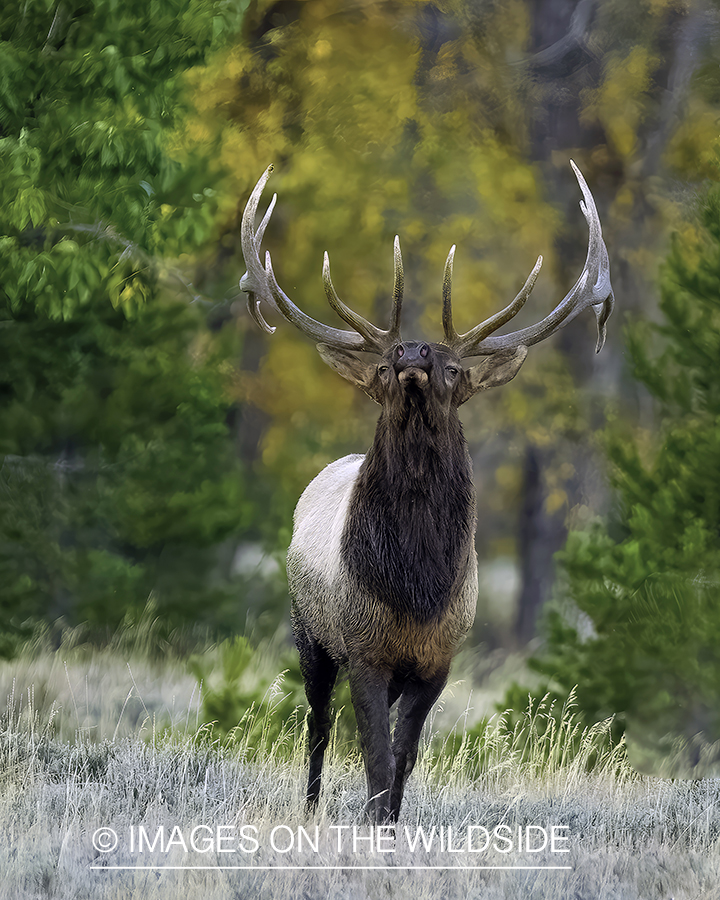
x=418, y=368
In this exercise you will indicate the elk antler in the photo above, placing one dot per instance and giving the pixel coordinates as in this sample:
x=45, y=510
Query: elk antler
x=260, y=284
x=592, y=288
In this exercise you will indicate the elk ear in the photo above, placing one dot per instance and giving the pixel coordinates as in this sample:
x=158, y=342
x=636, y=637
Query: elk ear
x=492, y=372
x=358, y=372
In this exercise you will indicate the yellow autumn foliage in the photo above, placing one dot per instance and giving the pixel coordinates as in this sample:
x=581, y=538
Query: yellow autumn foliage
x=376, y=131
x=619, y=103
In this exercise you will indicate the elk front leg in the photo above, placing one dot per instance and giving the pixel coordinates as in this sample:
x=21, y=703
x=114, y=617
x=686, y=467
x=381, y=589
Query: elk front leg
x=369, y=692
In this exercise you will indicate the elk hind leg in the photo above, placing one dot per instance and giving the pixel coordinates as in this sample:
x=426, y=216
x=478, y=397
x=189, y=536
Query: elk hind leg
x=319, y=672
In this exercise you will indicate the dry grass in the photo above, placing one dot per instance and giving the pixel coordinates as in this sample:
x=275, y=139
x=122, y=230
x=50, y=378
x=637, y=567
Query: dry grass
x=143, y=762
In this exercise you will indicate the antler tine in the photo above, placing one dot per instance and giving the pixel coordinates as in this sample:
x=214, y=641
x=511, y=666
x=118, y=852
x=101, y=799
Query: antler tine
x=253, y=304
x=593, y=288
x=264, y=224
x=253, y=281
x=465, y=344
x=335, y=337
x=376, y=339
x=398, y=289
x=372, y=336
x=451, y=335
x=260, y=284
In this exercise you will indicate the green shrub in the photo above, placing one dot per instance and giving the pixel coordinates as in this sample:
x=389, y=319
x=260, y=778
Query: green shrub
x=255, y=694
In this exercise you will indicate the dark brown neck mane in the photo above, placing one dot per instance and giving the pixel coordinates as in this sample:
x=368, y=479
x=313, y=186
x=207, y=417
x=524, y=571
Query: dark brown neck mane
x=410, y=527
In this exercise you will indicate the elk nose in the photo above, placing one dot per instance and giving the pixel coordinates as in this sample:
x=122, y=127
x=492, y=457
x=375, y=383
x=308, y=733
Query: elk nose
x=413, y=362
x=412, y=353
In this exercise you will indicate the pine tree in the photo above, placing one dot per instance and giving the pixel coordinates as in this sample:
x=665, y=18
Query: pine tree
x=646, y=644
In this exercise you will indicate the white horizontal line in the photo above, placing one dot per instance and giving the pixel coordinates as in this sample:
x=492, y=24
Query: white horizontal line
x=337, y=868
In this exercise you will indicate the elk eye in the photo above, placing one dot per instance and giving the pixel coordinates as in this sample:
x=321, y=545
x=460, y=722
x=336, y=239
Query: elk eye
x=451, y=370
x=382, y=369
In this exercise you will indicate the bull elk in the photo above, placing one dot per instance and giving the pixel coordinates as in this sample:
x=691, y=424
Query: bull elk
x=382, y=566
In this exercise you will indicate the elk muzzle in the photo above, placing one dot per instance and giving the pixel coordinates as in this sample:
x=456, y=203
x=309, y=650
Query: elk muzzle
x=413, y=361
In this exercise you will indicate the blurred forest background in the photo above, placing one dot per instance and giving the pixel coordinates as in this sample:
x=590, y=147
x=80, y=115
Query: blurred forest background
x=153, y=442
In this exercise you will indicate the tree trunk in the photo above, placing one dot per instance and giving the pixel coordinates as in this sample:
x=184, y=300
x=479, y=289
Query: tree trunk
x=540, y=536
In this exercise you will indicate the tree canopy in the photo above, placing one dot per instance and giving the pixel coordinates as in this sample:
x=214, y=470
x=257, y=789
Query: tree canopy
x=118, y=471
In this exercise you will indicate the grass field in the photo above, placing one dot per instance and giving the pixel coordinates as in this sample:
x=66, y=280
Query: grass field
x=104, y=763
